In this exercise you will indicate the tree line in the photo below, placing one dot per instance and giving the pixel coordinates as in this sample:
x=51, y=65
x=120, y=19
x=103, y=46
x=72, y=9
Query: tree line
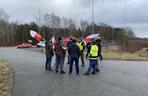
x=13, y=33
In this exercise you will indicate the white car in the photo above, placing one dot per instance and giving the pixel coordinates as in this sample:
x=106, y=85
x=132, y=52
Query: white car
x=41, y=44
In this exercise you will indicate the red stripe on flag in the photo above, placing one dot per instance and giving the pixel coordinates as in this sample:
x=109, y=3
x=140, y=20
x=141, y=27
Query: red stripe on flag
x=38, y=37
x=88, y=39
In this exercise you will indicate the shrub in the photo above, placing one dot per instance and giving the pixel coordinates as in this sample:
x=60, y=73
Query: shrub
x=133, y=45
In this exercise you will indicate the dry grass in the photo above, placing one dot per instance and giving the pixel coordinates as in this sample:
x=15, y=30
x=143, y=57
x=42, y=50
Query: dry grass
x=5, y=79
x=133, y=45
x=112, y=52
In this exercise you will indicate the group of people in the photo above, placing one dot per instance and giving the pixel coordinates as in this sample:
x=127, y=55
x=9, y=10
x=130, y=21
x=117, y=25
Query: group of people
x=75, y=50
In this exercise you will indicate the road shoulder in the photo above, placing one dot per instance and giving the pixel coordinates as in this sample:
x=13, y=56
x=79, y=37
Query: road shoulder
x=6, y=79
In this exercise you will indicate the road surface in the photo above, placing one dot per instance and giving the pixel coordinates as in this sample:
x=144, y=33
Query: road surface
x=117, y=78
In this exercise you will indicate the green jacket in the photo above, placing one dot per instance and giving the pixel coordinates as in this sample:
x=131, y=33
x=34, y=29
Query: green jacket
x=49, y=50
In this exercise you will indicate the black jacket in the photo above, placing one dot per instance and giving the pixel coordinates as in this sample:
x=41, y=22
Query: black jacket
x=74, y=50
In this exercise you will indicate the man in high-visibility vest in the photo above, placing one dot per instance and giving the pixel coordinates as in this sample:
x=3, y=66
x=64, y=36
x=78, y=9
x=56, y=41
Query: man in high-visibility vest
x=93, y=57
x=82, y=48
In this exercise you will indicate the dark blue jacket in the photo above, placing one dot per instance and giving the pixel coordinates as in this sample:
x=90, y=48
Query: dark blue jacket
x=74, y=50
x=69, y=43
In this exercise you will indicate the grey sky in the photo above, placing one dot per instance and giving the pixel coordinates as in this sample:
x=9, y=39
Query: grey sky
x=112, y=12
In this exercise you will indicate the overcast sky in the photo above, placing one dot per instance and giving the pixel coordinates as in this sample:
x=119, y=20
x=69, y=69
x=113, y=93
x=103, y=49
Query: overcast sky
x=132, y=13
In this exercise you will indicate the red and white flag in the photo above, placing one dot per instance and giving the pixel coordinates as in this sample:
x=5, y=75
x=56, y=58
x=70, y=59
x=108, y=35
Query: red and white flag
x=90, y=37
x=53, y=42
x=35, y=35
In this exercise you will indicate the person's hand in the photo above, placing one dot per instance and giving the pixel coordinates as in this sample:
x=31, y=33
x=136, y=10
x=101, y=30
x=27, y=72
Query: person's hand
x=90, y=55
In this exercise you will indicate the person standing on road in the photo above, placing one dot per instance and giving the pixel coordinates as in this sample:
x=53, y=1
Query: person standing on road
x=100, y=58
x=74, y=53
x=60, y=53
x=81, y=45
x=68, y=45
x=49, y=55
x=88, y=45
x=93, y=56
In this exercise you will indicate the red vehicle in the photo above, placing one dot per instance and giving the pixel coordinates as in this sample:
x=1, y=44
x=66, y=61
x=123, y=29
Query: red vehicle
x=25, y=45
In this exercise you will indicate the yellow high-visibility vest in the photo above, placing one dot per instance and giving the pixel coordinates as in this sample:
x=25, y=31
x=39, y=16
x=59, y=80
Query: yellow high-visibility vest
x=80, y=46
x=94, y=50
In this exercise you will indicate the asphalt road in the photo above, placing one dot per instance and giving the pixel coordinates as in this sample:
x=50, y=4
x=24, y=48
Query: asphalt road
x=117, y=78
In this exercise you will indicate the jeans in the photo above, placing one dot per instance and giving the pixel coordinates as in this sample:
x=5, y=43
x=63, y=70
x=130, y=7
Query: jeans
x=92, y=65
x=59, y=62
x=48, y=62
x=76, y=60
x=68, y=62
x=98, y=65
x=82, y=58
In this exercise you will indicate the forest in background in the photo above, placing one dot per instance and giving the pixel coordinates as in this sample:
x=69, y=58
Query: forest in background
x=13, y=33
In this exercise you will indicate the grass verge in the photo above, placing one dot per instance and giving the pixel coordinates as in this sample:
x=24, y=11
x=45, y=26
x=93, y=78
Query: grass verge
x=6, y=79
x=112, y=53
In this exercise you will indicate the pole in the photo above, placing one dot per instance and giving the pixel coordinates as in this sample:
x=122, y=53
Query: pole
x=124, y=22
x=39, y=18
x=92, y=16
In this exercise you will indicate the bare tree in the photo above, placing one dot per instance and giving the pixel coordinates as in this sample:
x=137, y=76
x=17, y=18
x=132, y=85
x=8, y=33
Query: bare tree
x=53, y=22
x=57, y=22
x=71, y=25
x=47, y=19
x=65, y=23
x=129, y=33
x=84, y=24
